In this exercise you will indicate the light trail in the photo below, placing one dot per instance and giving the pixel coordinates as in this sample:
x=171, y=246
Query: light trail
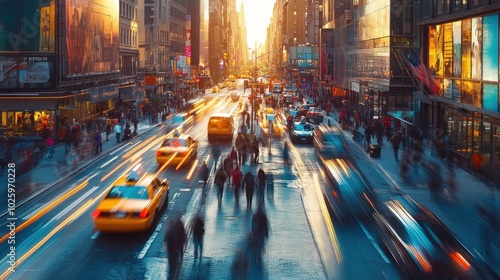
x=46, y=209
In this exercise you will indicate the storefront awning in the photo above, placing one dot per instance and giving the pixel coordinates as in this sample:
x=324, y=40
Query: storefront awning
x=404, y=116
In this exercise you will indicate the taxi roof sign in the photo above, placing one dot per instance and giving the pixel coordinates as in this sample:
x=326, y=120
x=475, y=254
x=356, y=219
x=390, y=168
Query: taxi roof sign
x=135, y=174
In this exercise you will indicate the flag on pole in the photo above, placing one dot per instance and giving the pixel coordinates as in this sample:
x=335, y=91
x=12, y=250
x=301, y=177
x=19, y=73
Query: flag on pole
x=422, y=73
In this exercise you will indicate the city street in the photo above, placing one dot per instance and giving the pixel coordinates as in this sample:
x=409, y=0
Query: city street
x=55, y=238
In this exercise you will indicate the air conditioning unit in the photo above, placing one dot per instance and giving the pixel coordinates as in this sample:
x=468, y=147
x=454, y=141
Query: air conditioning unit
x=348, y=16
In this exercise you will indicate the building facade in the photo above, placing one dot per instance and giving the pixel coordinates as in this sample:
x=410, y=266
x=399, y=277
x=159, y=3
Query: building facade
x=460, y=45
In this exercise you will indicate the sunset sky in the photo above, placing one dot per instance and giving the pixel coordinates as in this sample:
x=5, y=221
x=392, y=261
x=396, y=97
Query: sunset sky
x=257, y=14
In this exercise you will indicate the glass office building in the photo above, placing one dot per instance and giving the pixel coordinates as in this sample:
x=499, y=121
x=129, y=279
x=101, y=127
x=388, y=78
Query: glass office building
x=370, y=39
x=460, y=41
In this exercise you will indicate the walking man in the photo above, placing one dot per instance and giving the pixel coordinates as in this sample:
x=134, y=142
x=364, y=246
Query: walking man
x=118, y=131
x=255, y=149
x=220, y=180
x=249, y=185
x=396, y=140
x=198, y=232
x=175, y=240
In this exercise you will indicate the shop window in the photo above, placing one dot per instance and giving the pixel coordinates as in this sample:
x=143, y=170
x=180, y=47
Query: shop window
x=486, y=138
x=490, y=97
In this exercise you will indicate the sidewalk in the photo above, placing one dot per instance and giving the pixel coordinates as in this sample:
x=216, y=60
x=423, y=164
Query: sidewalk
x=50, y=171
x=227, y=227
x=460, y=216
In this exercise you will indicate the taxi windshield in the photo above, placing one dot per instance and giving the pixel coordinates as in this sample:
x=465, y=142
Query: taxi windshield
x=303, y=127
x=130, y=192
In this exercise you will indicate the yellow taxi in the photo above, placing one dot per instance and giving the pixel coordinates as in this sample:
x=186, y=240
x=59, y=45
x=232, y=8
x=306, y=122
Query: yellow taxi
x=177, y=149
x=132, y=203
x=215, y=89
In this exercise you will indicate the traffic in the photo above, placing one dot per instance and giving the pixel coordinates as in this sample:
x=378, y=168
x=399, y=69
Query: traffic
x=111, y=216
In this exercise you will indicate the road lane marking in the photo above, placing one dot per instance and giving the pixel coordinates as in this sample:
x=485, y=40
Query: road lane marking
x=32, y=213
x=115, y=151
x=146, y=247
x=108, y=162
x=71, y=206
x=96, y=234
x=374, y=243
x=185, y=190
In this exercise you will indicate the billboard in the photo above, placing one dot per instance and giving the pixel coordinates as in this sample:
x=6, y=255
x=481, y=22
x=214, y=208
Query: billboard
x=92, y=36
x=34, y=72
x=27, y=26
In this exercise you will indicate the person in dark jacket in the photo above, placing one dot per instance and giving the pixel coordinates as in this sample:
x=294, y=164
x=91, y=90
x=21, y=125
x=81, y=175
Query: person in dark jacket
x=396, y=141
x=198, y=232
x=175, y=240
x=220, y=180
x=255, y=149
x=204, y=173
x=249, y=185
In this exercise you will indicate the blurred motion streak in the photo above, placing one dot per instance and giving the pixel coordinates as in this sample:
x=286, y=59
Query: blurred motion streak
x=190, y=173
x=143, y=150
x=116, y=168
x=132, y=151
x=42, y=242
x=328, y=219
x=47, y=208
x=186, y=157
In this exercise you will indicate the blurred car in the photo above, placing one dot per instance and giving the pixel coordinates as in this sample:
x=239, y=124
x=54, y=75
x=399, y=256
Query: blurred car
x=220, y=125
x=348, y=193
x=422, y=246
x=215, y=89
x=315, y=114
x=234, y=96
x=330, y=143
x=177, y=149
x=302, y=132
x=132, y=203
x=288, y=99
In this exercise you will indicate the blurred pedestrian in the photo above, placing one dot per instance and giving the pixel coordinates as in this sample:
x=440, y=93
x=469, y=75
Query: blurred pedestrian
x=108, y=131
x=198, y=232
x=98, y=142
x=175, y=240
x=435, y=180
x=255, y=150
x=228, y=168
x=236, y=177
x=240, y=145
x=261, y=178
x=260, y=230
x=68, y=139
x=118, y=131
x=49, y=143
x=216, y=152
x=249, y=186
x=233, y=154
x=396, y=141
x=204, y=173
x=220, y=180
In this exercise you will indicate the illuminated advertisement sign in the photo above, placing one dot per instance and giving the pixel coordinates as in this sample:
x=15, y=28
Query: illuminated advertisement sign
x=188, y=37
x=27, y=72
x=27, y=26
x=92, y=36
x=490, y=47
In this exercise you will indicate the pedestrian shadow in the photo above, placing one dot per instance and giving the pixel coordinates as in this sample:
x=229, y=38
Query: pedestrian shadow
x=200, y=269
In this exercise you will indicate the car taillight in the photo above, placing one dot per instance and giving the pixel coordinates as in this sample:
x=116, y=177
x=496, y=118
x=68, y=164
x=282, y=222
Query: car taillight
x=460, y=260
x=184, y=153
x=96, y=213
x=144, y=213
x=158, y=153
